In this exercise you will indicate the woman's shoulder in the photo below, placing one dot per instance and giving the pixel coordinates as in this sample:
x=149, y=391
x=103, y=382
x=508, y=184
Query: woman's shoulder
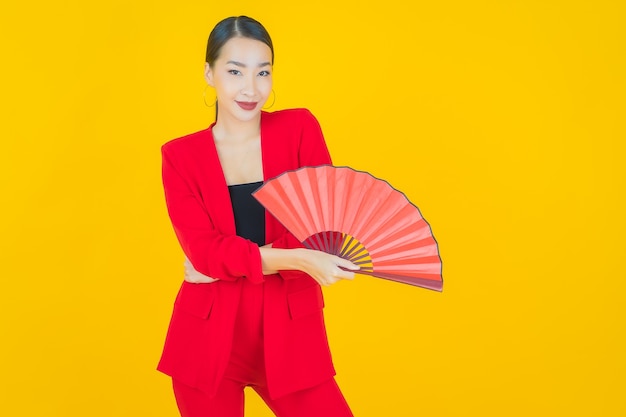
x=191, y=140
x=293, y=115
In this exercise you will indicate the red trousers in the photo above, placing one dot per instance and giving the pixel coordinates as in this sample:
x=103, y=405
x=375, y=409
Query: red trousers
x=246, y=368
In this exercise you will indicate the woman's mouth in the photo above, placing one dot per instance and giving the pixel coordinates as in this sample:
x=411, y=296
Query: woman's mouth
x=246, y=105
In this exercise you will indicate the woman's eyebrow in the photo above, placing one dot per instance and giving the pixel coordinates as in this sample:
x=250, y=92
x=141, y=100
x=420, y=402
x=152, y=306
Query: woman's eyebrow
x=242, y=65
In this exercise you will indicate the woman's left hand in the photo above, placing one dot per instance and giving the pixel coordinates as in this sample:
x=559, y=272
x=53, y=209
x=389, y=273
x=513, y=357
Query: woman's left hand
x=195, y=277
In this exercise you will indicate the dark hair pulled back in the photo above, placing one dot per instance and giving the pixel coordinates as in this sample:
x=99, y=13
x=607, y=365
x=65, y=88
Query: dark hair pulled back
x=232, y=27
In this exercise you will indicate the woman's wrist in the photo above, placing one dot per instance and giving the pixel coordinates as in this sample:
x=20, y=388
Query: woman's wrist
x=274, y=259
x=299, y=258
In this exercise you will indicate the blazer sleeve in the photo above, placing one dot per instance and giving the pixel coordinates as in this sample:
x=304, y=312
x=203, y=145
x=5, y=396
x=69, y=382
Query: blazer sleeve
x=312, y=151
x=221, y=256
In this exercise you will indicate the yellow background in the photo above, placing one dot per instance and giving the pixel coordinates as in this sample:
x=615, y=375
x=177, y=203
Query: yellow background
x=502, y=120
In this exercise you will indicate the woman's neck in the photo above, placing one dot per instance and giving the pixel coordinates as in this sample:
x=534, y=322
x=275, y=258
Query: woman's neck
x=236, y=130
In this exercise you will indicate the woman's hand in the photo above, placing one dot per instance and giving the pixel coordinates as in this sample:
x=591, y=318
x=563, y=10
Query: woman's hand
x=325, y=268
x=195, y=277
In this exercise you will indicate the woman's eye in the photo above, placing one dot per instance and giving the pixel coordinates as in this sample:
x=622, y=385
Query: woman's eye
x=234, y=72
x=264, y=73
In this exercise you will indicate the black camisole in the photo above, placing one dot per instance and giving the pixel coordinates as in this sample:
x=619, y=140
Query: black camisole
x=249, y=213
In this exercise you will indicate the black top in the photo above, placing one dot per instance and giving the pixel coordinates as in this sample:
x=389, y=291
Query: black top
x=249, y=213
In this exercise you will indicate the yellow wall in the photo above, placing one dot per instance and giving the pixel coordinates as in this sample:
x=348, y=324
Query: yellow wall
x=502, y=120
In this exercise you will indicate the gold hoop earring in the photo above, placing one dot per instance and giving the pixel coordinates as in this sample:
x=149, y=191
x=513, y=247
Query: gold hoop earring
x=273, y=101
x=204, y=97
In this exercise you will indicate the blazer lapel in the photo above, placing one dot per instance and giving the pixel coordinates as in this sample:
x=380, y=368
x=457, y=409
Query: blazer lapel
x=271, y=150
x=274, y=163
x=213, y=188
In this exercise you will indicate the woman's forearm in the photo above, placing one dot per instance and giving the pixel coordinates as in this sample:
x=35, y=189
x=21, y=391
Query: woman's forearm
x=274, y=260
x=322, y=267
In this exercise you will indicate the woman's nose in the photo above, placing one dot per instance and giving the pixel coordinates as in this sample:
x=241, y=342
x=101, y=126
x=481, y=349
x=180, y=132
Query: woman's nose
x=249, y=87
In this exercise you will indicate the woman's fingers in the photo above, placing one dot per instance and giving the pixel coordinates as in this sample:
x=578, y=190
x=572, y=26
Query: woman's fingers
x=344, y=263
x=345, y=274
x=338, y=275
x=329, y=268
x=195, y=277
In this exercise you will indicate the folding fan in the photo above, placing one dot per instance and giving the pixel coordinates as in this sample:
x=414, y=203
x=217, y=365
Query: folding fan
x=358, y=217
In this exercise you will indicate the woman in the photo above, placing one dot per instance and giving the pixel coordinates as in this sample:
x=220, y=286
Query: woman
x=249, y=312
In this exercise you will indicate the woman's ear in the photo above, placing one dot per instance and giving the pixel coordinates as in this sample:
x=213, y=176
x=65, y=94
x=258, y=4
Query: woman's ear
x=208, y=74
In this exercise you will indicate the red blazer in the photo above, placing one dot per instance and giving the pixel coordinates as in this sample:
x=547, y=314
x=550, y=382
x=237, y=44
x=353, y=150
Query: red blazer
x=199, y=337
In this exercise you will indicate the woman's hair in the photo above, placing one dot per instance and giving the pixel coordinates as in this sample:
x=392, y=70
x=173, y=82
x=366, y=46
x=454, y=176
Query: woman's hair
x=233, y=27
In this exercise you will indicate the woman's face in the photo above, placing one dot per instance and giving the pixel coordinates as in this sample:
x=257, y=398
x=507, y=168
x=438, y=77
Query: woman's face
x=242, y=77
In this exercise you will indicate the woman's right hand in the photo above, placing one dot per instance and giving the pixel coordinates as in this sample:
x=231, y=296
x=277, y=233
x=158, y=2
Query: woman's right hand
x=195, y=277
x=325, y=268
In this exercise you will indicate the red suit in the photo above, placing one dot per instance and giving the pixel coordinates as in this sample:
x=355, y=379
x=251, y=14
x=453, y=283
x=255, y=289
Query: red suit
x=200, y=334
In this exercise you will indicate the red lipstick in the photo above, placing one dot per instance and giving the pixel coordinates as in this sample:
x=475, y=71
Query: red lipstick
x=247, y=105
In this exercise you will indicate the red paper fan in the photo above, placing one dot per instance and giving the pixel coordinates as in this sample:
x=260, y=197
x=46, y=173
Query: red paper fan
x=359, y=217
